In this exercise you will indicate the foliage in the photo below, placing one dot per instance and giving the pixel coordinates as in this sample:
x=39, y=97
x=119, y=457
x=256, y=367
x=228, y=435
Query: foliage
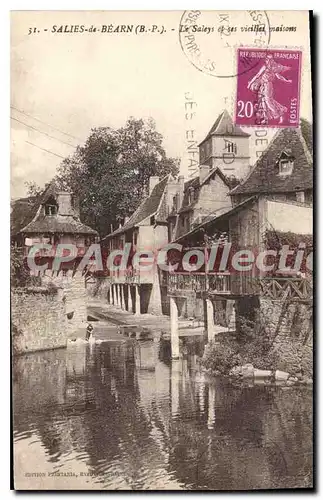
x=16, y=338
x=219, y=357
x=275, y=240
x=110, y=173
x=33, y=189
x=19, y=274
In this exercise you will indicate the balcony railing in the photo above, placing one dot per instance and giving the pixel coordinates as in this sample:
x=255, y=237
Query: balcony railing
x=239, y=285
x=283, y=288
x=198, y=282
x=130, y=276
x=79, y=251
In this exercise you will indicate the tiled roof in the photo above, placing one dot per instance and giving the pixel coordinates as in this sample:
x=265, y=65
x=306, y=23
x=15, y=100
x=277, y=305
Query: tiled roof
x=224, y=126
x=63, y=224
x=265, y=178
x=28, y=218
x=196, y=184
x=147, y=208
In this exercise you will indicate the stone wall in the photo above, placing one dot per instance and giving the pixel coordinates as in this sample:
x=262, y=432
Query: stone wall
x=290, y=327
x=98, y=288
x=38, y=319
x=75, y=298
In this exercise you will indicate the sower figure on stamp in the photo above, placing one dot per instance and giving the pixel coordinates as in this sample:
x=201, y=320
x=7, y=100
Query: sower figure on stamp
x=263, y=85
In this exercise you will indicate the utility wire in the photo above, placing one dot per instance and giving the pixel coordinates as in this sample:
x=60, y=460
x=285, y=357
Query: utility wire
x=45, y=133
x=44, y=123
x=46, y=150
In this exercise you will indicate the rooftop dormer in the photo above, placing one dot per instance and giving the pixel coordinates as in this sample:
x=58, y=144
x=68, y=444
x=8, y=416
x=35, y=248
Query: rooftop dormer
x=285, y=164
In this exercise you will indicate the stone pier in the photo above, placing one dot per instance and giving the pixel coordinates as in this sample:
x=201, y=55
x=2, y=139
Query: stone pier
x=210, y=327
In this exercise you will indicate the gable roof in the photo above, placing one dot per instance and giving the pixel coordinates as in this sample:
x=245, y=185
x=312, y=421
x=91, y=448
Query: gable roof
x=148, y=207
x=264, y=176
x=63, y=224
x=197, y=184
x=224, y=126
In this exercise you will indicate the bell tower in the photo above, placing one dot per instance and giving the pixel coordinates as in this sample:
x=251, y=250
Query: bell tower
x=226, y=146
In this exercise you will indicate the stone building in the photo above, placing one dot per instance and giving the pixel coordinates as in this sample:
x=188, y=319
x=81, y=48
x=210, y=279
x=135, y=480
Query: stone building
x=52, y=218
x=140, y=290
x=275, y=200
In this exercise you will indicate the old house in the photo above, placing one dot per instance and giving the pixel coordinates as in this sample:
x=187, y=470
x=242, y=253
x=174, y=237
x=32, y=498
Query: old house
x=274, y=203
x=136, y=289
x=52, y=218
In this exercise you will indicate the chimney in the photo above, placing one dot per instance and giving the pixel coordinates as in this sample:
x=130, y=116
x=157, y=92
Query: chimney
x=204, y=172
x=153, y=181
x=180, y=191
x=64, y=201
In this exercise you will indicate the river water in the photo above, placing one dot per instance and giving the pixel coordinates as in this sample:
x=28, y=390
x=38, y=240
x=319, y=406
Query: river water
x=122, y=415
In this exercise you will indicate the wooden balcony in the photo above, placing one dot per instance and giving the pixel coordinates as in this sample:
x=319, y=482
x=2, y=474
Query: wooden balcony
x=238, y=285
x=286, y=288
x=217, y=283
x=79, y=251
x=129, y=277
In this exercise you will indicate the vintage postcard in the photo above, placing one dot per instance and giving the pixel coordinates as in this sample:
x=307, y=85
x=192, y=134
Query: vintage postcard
x=162, y=250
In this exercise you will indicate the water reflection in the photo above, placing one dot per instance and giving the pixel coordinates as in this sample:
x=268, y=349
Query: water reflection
x=135, y=420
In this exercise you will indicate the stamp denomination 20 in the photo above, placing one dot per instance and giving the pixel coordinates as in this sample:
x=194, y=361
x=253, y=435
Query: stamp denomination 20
x=269, y=93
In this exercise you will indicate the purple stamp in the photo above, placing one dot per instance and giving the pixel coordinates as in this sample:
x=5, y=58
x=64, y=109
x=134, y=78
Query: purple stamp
x=268, y=91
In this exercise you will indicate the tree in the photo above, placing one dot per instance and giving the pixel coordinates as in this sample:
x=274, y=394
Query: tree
x=110, y=173
x=33, y=189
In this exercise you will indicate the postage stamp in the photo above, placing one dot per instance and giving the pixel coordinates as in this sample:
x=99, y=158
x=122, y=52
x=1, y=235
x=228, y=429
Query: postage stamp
x=268, y=94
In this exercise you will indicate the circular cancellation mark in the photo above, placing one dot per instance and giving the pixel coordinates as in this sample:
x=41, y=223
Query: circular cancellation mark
x=210, y=39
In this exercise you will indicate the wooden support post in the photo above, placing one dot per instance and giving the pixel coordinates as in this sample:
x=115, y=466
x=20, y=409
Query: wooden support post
x=174, y=336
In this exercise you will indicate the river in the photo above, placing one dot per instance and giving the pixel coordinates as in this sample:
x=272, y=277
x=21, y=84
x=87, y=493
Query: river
x=122, y=415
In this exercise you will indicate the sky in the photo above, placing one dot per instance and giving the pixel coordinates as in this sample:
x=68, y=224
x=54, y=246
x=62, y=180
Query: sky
x=65, y=84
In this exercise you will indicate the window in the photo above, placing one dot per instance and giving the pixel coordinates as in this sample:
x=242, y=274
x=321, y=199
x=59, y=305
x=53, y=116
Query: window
x=286, y=166
x=190, y=195
x=50, y=209
x=230, y=147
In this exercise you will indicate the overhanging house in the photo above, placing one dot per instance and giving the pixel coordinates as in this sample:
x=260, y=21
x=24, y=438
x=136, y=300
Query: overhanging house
x=276, y=197
x=138, y=290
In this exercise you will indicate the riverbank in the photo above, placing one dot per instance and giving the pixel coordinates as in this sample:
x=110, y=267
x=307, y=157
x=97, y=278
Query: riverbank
x=157, y=325
x=238, y=361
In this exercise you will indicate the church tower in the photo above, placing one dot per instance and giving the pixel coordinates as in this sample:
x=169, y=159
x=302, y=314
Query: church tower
x=226, y=146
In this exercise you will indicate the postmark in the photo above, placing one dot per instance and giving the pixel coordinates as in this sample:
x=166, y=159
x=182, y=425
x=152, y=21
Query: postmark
x=209, y=39
x=269, y=93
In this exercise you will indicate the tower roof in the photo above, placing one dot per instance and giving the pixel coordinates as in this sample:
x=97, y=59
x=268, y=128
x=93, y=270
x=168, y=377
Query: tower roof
x=224, y=126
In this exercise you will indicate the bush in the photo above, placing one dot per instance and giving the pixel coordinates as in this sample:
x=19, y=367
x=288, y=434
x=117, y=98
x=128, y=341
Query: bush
x=220, y=358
